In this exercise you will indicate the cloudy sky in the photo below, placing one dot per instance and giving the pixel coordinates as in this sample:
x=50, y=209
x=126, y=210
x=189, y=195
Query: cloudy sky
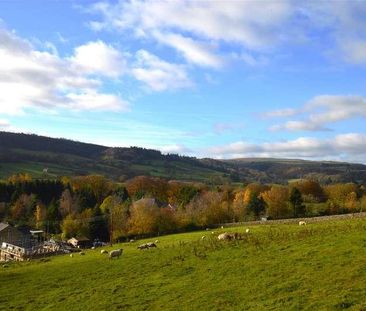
x=203, y=78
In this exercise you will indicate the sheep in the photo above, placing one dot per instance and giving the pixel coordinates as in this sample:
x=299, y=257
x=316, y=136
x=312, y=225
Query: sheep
x=147, y=245
x=115, y=253
x=71, y=255
x=225, y=236
x=228, y=236
x=203, y=237
x=103, y=251
x=82, y=253
x=143, y=246
x=247, y=230
x=302, y=223
x=156, y=241
x=132, y=240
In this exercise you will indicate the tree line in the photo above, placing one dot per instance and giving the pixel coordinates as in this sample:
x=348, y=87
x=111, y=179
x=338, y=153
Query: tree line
x=96, y=207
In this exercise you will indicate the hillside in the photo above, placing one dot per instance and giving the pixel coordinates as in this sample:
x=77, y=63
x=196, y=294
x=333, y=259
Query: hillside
x=320, y=266
x=32, y=154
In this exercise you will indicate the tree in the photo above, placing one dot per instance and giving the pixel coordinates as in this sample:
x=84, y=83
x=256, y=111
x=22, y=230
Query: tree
x=99, y=226
x=119, y=220
x=296, y=202
x=144, y=218
x=277, y=201
x=40, y=216
x=256, y=205
x=67, y=204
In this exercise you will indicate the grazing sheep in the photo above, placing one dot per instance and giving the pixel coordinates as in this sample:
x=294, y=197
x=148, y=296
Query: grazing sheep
x=147, y=245
x=247, y=230
x=143, y=246
x=115, y=253
x=103, y=251
x=156, y=241
x=302, y=223
x=132, y=240
x=228, y=236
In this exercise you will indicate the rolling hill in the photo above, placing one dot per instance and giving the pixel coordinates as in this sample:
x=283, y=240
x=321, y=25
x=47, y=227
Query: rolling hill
x=320, y=266
x=32, y=154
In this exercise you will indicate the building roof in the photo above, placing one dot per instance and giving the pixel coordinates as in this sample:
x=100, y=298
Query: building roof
x=3, y=226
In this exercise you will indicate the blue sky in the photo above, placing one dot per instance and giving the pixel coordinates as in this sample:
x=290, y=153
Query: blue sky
x=213, y=78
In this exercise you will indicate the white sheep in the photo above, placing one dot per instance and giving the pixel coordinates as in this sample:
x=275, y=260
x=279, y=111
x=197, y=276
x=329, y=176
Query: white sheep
x=302, y=223
x=103, y=251
x=156, y=241
x=247, y=230
x=71, y=255
x=115, y=253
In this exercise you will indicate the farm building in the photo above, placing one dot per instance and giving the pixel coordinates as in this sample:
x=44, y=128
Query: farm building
x=15, y=236
x=19, y=244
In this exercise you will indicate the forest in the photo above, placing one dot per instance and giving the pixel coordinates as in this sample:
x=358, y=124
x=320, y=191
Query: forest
x=96, y=207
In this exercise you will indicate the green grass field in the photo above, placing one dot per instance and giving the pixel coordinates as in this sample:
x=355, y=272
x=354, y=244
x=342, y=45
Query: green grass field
x=279, y=267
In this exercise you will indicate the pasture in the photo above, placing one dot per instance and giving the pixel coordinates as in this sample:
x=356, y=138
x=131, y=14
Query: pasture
x=319, y=266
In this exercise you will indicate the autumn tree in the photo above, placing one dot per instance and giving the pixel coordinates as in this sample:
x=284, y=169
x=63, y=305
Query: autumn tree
x=141, y=186
x=277, y=201
x=68, y=205
x=40, y=215
x=24, y=207
x=310, y=190
x=144, y=217
x=119, y=220
x=210, y=208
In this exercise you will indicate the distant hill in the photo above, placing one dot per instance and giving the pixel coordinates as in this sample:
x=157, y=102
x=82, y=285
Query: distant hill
x=33, y=154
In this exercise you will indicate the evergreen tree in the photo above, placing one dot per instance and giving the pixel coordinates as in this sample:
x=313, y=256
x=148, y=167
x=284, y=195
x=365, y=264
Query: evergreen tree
x=256, y=205
x=296, y=202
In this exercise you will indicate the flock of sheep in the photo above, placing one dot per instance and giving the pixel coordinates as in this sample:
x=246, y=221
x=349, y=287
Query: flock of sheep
x=226, y=236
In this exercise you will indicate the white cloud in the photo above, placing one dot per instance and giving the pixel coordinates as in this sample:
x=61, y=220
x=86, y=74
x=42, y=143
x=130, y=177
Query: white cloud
x=194, y=27
x=351, y=146
x=176, y=149
x=280, y=113
x=4, y=124
x=99, y=58
x=94, y=101
x=246, y=22
x=321, y=111
x=157, y=74
x=253, y=25
x=199, y=53
x=39, y=79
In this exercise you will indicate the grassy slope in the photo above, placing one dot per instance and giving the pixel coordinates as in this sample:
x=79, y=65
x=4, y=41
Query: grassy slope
x=283, y=267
